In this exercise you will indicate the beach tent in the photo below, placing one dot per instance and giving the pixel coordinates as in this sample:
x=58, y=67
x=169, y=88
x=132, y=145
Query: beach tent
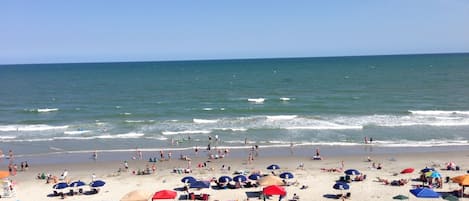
x=200, y=184
x=425, y=193
x=164, y=194
x=274, y=190
x=136, y=195
x=286, y=175
x=273, y=167
x=407, y=171
x=270, y=180
x=4, y=174
x=352, y=172
x=240, y=178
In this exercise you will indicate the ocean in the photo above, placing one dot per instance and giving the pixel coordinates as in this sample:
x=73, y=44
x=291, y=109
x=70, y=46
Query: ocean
x=398, y=101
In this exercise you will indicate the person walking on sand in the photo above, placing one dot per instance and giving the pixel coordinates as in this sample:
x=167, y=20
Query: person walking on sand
x=169, y=155
x=95, y=155
x=366, y=140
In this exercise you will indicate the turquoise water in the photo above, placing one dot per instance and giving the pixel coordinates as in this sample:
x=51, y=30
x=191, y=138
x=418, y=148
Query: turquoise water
x=409, y=100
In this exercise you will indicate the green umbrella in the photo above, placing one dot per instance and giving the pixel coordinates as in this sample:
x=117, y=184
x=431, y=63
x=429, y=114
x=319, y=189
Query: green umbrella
x=451, y=197
x=400, y=197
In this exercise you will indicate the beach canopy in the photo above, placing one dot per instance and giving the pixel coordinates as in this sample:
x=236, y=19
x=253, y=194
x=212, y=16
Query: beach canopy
x=224, y=179
x=273, y=167
x=286, y=175
x=136, y=195
x=270, y=180
x=407, y=171
x=4, y=174
x=461, y=180
x=60, y=185
x=200, y=184
x=274, y=190
x=254, y=176
x=164, y=194
x=425, y=193
x=352, y=172
x=341, y=186
x=77, y=184
x=188, y=179
x=97, y=183
x=240, y=178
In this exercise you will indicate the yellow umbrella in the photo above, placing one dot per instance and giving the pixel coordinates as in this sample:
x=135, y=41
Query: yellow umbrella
x=461, y=180
x=270, y=180
x=137, y=195
x=4, y=174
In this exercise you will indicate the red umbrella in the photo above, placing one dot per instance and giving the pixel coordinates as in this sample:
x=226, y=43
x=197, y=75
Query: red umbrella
x=274, y=190
x=407, y=170
x=164, y=194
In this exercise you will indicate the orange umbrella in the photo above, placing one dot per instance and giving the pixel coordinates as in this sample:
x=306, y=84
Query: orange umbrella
x=4, y=174
x=461, y=180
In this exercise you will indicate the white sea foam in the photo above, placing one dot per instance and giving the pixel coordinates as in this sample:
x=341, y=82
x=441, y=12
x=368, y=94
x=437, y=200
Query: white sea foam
x=438, y=112
x=205, y=121
x=47, y=109
x=33, y=127
x=281, y=117
x=186, y=132
x=6, y=137
x=256, y=100
x=126, y=113
x=285, y=99
x=79, y=132
x=231, y=129
x=338, y=127
x=207, y=109
x=139, y=121
x=162, y=138
x=125, y=135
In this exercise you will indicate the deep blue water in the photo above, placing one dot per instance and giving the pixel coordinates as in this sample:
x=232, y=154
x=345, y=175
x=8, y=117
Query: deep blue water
x=407, y=100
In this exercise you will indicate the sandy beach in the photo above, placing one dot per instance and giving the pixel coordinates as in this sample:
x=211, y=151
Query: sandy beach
x=312, y=175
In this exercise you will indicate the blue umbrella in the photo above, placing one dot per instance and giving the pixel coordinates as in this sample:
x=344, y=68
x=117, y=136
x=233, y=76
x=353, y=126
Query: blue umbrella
x=273, y=167
x=352, y=172
x=188, y=179
x=424, y=193
x=224, y=179
x=77, y=184
x=427, y=169
x=60, y=185
x=200, y=184
x=254, y=176
x=240, y=178
x=286, y=175
x=341, y=186
x=97, y=183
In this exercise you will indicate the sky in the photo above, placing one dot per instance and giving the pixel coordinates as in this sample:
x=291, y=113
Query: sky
x=58, y=31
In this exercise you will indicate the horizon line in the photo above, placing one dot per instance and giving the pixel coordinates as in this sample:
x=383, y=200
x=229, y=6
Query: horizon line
x=228, y=59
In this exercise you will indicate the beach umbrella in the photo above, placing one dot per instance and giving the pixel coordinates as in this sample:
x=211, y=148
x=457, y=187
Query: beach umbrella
x=352, y=172
x=450, y=197
x=254, y=176
x=425, y=193
x=97, y=183
x=274, y=190
x=240, y=178
x=200, y=184
x=4, y=174
x=341, y=186
x=188, y=179
x=270, y=180
x=407, y=171
x=136, y=195
x=400, y=197
x=427, y=169
x=286, y=175
x=273, y=167
x=77, y=184
x=60, y=185
x=224, y=179
x=462, y=180
x=164, y=194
